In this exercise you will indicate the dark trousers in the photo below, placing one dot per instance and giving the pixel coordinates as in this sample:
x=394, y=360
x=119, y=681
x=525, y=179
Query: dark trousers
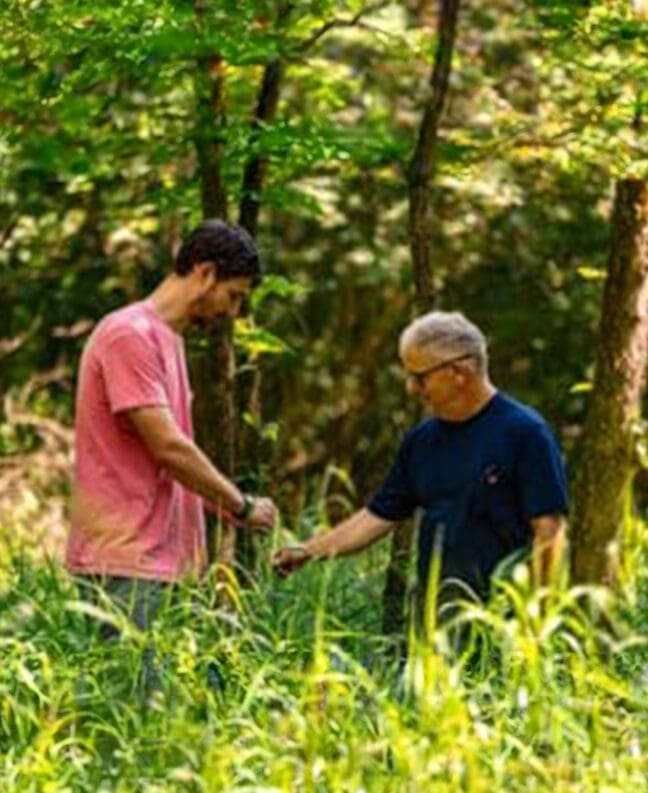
x=140, y=600
x=450, y=597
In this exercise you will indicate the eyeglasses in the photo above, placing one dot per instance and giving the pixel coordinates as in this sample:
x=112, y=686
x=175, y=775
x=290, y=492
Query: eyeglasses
x=419, y=377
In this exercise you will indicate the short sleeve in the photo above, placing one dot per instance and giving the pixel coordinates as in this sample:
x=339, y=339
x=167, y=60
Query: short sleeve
x=394, y=499
x=133, y=373
x=542, y=480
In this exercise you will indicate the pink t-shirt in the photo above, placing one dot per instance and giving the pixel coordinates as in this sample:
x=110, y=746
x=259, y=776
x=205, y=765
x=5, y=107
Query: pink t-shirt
x=129, y=517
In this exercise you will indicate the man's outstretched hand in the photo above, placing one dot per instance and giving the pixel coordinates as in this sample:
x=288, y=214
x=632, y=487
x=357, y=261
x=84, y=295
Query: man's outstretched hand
x=286, y=560
x=350, y=536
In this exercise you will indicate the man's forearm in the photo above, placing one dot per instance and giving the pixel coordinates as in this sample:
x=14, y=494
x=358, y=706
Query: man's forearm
x=352, y=535
x=192, y=468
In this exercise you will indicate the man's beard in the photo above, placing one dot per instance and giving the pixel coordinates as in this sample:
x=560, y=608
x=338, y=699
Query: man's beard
x=199, y=321
x=200, y=318
x=207, y=323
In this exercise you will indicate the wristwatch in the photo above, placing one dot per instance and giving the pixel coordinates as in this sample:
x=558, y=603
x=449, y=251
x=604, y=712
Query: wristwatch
x=246, y=510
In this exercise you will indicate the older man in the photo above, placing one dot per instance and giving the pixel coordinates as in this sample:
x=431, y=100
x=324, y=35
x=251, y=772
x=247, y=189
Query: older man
x=485, y=469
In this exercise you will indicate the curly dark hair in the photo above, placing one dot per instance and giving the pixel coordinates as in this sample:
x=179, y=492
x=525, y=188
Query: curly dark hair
x=230, y=247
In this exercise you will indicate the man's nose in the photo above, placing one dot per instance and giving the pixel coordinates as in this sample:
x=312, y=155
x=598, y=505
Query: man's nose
x=412, y=386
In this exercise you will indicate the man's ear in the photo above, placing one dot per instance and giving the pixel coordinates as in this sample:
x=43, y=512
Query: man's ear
x=206, y=275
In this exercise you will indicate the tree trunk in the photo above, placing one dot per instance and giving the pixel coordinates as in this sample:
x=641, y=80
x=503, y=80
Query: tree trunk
x=606, y=471
x=209, y=139
x=213, y=363
x=257, y=165
x=423, y=164
x=213, y=372
x=211, y=359
x=253, y=179
x=421, y=175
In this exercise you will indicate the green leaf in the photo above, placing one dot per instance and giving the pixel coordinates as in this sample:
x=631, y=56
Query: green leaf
x=257, y=341
x=581, y=388
x=591, y=273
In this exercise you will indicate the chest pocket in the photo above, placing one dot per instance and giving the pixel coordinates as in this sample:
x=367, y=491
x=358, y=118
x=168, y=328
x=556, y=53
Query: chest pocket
x=492, y=499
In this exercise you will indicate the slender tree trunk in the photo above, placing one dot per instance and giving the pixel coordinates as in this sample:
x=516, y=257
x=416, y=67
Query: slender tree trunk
x=252, y=186
x=212, y=361
x=606, y=471
x=421, y=176
x=212, y=357
x=257, y=165
x=423, y=164
x=265, y=112
x=213, y=374
x=209, y=135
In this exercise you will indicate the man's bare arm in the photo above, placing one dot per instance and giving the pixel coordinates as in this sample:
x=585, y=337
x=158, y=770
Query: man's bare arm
x=352, y=535
x=190, y=466
x=548, y=547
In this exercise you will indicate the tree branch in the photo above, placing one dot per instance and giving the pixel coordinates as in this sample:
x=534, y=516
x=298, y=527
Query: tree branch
x=354, y=21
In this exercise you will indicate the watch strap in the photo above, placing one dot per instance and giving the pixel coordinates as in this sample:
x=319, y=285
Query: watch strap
x=246, y=510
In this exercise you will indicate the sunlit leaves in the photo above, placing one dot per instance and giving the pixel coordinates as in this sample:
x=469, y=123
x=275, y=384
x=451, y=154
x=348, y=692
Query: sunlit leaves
x=256, y=341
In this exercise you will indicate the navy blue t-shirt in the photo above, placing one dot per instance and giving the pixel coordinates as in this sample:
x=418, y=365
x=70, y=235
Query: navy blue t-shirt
x=479, y=482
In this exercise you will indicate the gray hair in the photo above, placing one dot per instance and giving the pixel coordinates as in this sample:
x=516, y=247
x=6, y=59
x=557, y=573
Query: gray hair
x=447, y=335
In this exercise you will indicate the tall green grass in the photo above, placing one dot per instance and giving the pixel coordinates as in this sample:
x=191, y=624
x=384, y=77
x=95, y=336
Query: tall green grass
x=290, y=687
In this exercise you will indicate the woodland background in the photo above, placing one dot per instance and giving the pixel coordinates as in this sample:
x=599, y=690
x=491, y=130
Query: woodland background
x=122, y=125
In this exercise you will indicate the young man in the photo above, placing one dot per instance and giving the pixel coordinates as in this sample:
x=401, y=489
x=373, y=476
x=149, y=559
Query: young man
x=141, y=483
x=485, y=469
